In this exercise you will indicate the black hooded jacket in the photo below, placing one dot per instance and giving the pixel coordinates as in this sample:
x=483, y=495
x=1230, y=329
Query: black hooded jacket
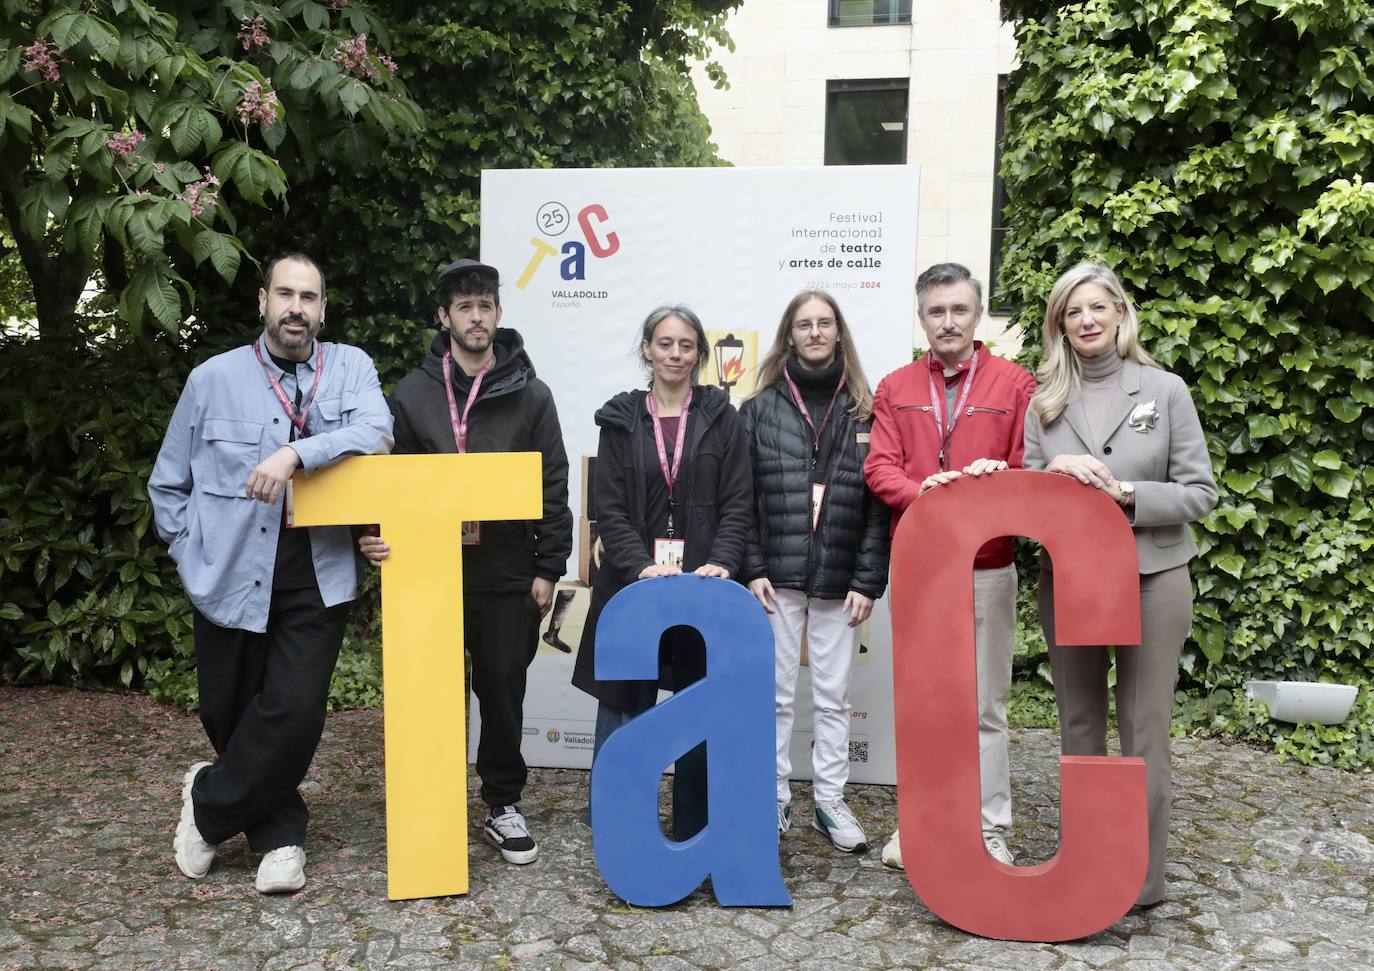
x=514, y=412
x=849, y=548
x=714, y=501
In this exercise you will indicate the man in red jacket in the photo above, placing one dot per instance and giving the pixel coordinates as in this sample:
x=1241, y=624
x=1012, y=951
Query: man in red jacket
x=959, y=410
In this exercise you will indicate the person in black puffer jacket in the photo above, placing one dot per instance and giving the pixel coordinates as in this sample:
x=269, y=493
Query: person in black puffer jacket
x=818, y=551
x=706, y=511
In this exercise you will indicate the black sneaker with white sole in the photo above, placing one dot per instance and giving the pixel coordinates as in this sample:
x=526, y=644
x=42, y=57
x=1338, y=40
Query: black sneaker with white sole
x=505, y=829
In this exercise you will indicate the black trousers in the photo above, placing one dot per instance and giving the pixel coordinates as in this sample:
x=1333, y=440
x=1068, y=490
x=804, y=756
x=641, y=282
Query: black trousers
x=501, y=634
x=262, y=702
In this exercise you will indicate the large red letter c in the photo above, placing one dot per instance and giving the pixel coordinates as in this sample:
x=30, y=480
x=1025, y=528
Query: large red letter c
x=1104, y=843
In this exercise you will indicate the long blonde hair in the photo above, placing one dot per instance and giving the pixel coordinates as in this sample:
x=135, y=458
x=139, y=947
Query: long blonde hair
x=1059, y=375
x=771, y=367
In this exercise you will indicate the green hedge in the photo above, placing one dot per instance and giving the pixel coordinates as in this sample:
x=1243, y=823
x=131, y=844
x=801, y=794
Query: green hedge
x=1213, y=153
x=89, y=594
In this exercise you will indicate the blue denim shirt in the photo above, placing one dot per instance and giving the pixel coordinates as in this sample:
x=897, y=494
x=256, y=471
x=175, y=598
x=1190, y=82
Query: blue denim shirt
x=227, y=421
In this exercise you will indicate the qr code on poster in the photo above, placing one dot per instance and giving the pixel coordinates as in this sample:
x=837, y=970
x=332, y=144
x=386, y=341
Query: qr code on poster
x=858, y=751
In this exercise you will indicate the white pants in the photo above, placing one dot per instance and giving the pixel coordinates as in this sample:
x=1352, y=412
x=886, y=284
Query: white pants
x=994, y=620
x=831, y=647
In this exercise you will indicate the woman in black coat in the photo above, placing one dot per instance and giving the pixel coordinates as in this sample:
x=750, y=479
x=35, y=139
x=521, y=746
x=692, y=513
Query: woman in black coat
x=817, y=557
x=673, y=494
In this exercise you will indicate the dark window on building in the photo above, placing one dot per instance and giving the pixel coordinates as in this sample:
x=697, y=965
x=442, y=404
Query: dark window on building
x=865, y=122
x=869, y=13
x=998, y=303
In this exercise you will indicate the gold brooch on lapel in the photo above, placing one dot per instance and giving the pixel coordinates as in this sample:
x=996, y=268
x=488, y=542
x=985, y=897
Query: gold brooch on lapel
x=1144, y=417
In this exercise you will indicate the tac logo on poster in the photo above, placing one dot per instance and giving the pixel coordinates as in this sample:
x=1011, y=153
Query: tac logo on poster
x=570, y=243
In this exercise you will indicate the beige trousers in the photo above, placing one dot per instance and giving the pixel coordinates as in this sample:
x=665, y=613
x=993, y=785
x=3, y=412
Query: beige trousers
x=1145, y=679
x=994, y=624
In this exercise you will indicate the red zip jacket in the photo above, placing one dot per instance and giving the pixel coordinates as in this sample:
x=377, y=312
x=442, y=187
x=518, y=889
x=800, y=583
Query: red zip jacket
x=905, y=445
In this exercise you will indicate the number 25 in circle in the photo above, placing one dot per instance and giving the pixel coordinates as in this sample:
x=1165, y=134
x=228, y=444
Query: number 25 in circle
x=553, y=218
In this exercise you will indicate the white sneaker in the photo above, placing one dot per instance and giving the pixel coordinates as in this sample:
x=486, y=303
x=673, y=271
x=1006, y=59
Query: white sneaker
x=998, y=848
x=892, y=852
x=506, y=830
x=282, y=870
x=784, y=816
x=835, y=820
x=193, y=855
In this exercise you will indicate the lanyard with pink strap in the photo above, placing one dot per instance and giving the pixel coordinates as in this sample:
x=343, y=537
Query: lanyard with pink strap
x=935, y=400
x=669, y=474
x=816, y=433
x=282, y=399
x=460, y=422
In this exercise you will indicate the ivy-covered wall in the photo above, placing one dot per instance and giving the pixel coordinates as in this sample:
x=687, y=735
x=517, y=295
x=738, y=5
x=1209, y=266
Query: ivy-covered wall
x=1216, y=154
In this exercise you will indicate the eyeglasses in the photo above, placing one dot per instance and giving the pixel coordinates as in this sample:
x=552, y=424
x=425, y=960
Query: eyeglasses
x=806, y=326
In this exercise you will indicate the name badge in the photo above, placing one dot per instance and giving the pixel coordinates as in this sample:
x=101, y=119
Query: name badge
x=669, y=552
x=817, y=497
x=862, y=438
x=472, y=533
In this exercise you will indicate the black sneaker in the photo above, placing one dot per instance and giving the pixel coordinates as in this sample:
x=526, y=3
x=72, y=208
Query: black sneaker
x=505, y=829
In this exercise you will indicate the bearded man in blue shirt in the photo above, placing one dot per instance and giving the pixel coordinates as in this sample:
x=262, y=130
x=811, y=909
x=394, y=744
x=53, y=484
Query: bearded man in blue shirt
x=269, y=601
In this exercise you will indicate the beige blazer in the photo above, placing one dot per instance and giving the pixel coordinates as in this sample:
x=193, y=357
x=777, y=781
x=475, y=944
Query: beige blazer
x=1154, y=441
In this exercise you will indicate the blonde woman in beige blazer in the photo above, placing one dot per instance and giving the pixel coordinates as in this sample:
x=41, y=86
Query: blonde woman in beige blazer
x=1108, y=415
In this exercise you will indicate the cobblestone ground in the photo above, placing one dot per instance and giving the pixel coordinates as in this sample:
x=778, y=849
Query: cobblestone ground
x=1270, y=866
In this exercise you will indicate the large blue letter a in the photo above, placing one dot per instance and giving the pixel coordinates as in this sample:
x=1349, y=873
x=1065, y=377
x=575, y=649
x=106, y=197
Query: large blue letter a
x=731, y=709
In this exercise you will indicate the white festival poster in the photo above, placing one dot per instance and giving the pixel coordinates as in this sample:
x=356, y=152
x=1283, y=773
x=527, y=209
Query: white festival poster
x=586, y=254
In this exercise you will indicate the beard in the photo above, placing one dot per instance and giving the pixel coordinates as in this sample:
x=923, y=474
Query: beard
x=277, y=331
x=473, y=341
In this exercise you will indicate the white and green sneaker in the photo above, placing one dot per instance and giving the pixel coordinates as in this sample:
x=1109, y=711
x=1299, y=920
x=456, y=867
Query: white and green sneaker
x=997, y=849
x=836, y=821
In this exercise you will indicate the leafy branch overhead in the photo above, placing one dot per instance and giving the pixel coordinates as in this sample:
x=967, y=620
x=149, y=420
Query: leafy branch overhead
x=536, y=84
x=132, y=135
x=1218, y=154
x=157, y=158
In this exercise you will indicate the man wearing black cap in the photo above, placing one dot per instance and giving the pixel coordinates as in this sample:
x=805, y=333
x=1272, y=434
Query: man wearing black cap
x=476, y=392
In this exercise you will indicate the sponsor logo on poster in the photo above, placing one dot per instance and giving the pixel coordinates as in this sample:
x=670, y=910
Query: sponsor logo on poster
x=578, y=740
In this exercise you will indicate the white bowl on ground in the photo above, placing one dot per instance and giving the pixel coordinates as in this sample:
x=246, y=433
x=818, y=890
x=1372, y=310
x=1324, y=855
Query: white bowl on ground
x=1304, y=701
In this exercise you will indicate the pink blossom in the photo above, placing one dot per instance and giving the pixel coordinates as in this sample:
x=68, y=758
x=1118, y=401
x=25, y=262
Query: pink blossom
x=123, y=146
x=352, y=54
x=388, y=63
x=42, y=57
x=201, y=195
x=258, y=105
x=336, y=4
x=253, y=33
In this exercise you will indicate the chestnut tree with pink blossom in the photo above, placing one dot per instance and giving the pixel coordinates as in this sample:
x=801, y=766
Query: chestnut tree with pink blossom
x=147, y=152
x=133, y=135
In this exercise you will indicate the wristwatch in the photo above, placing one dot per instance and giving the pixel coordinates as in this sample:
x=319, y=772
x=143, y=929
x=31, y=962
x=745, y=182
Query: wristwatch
x=1127, y=493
